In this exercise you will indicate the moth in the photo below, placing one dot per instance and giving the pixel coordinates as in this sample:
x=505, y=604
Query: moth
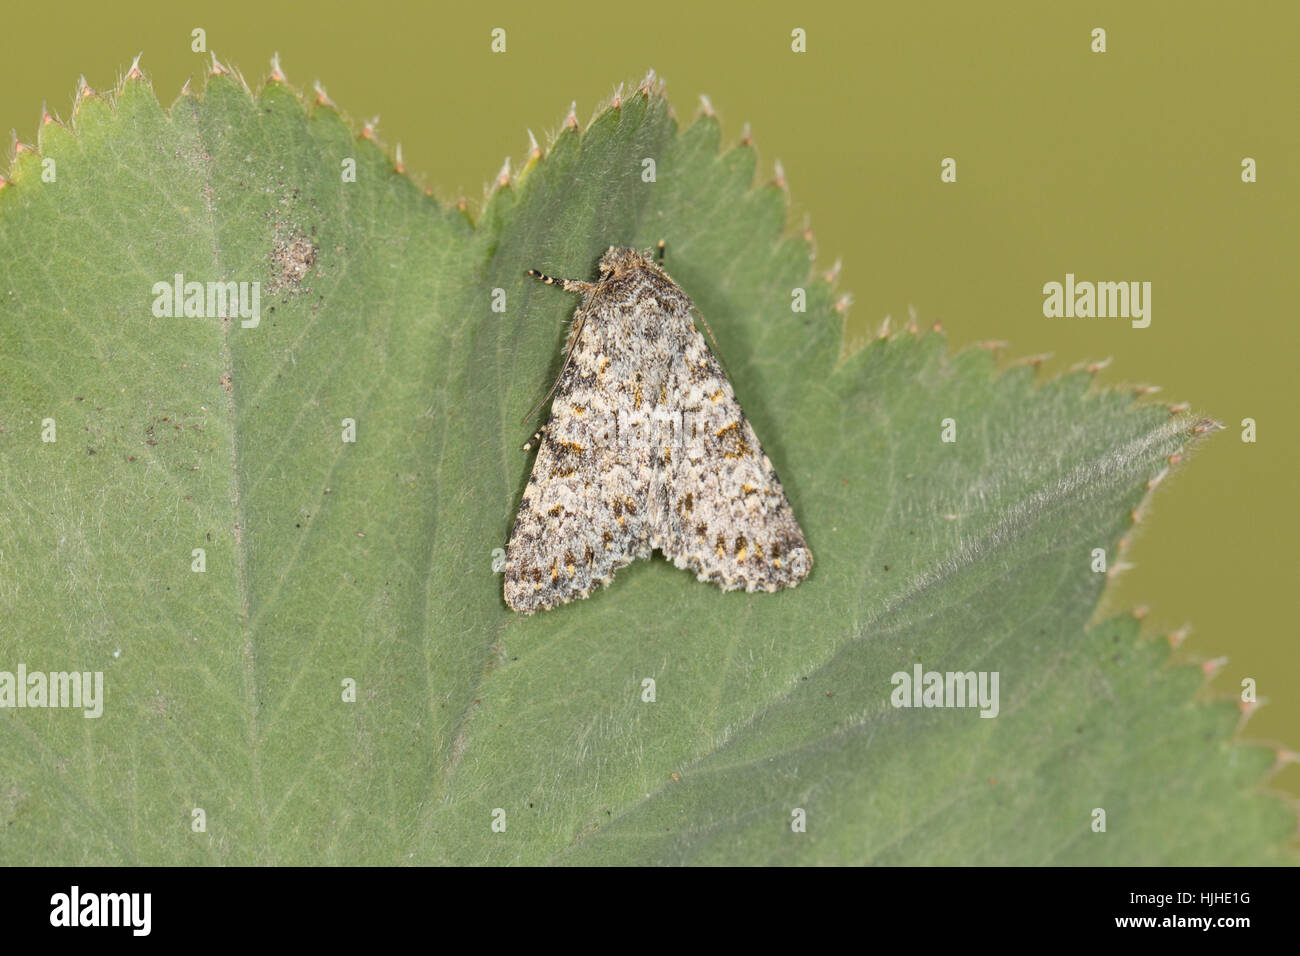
x=645, y=449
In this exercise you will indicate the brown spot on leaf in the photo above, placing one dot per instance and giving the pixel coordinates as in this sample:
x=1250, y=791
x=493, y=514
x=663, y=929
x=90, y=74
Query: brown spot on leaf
x=292, y=257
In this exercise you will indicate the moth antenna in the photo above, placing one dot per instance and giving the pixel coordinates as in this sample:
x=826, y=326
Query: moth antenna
x=705, y=323
x=568, y=285
x=544, y=278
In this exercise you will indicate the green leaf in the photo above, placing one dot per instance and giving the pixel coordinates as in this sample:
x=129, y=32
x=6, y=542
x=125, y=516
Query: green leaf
x=371, y=560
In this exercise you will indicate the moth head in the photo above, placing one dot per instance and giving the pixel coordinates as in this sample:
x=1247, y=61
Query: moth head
x=619, y=261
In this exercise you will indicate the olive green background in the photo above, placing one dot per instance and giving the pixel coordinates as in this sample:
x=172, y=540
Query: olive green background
x=1117, y=166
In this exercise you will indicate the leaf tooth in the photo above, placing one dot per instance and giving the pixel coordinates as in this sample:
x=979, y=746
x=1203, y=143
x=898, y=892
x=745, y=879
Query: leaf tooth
x=47, y=120
x=1214, y=665
x=322, y=98
x=618, y=98
x=808, y=235
x=503, y=177
x=910, y=326
x=135, y=73
x=832, y=274
x=885, y=326
x=706, y=107
x=534, y=157
x=17, y=149
x=368, y=130
x=217, y=69
x=277, y=75
x=84, y=92
x=1033, y=360
x=463, y=205
x=746, y=137
x=1118, y=568
x=1178, y=408
x=778, y=180
x=185, y=89
x=399, y=166
x=647, y=84
x=571, y=121
x=1177, y=637
x=1140, y=612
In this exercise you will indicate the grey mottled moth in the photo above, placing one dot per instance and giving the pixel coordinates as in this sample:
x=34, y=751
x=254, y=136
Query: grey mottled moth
x=646, y=448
